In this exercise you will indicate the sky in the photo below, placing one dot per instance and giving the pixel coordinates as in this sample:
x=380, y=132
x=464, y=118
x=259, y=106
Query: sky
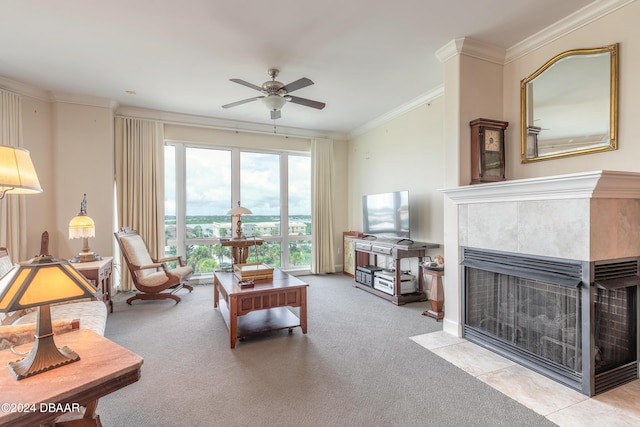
x=208, y=175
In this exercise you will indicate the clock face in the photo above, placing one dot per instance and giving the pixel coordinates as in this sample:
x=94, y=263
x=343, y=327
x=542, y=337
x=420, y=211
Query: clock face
x=492, y=140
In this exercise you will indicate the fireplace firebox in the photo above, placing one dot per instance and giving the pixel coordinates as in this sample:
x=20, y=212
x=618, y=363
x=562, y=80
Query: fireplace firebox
x=573, y=321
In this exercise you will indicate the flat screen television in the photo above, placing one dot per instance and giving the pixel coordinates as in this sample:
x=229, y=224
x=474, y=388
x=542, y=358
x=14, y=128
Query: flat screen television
x=386, y=214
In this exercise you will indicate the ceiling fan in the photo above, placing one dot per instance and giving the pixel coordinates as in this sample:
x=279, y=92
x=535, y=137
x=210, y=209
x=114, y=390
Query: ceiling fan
x=276, y=94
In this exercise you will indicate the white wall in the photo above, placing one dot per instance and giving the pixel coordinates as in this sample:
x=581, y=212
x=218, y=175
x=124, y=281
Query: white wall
x=405, y=153
x=83, y=159
x=621, y=27
x=37, y=131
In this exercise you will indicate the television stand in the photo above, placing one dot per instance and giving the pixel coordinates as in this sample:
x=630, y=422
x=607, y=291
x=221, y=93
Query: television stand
x=397, y=251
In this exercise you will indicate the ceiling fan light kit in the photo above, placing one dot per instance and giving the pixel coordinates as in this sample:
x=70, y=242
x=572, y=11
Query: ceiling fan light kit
x=274, y=102
x=276, y=94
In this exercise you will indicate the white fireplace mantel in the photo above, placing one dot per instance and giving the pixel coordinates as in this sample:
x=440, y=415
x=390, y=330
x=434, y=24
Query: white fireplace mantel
x=587, y=216
x=602, y=184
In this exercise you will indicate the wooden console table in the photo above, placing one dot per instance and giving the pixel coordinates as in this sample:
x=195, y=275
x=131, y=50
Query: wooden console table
x=436, y=296
x=397, y=252
x=262, y=308
x=99, y=272
x=42, y=399
x=240, y=248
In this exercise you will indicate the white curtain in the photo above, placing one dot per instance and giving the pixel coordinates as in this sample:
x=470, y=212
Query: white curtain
x=139, y=154
x=13, y=217
x=322, y=258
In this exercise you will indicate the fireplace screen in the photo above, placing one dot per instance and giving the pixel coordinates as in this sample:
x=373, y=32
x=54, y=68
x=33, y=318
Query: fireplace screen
x=541, y=313
x=539, y=318
x=615, y=331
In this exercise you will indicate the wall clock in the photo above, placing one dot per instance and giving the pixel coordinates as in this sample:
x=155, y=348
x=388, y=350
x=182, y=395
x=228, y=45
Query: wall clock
x=487, y=150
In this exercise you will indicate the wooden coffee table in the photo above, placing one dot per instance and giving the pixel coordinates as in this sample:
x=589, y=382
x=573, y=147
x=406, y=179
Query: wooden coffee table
x=263, y=308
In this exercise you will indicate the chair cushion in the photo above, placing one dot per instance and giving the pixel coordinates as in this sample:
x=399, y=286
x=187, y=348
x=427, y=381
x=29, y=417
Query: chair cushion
x=182, y=272
x=154, y=279
x=138, y=254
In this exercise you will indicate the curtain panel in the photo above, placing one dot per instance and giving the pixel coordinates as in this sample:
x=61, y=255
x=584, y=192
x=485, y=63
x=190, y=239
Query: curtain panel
x=139, y=155
x=322, y=258
x=13, y=217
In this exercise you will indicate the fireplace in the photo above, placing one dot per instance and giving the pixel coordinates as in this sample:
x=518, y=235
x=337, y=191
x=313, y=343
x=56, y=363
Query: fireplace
x=573, y=321
x=545, y=271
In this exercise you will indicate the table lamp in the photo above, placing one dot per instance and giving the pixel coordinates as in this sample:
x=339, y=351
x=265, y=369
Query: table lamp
x=82, y=226
x=17, y=174
x=38, y=283
x=238, y=211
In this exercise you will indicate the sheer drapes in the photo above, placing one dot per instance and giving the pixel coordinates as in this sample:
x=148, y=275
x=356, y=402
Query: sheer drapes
x=140, y=183
x=322, y=258
x=13, y=218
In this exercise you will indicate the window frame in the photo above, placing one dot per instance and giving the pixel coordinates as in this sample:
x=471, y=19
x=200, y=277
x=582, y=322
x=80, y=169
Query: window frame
x=284, y=239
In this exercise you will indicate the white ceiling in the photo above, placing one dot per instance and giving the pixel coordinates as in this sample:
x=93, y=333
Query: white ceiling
x=366, y=57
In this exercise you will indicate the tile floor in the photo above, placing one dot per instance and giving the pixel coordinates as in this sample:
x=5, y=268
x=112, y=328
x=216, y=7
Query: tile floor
x=559, y=404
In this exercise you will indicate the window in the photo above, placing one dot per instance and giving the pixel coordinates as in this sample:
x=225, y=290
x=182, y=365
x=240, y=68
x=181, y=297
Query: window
x=203, y=183
x=299, y=210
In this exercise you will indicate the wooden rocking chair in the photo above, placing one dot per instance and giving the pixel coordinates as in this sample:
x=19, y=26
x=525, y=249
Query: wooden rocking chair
x=151, y=277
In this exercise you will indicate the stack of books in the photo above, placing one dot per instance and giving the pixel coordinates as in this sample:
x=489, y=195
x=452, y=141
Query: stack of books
x=254, y=271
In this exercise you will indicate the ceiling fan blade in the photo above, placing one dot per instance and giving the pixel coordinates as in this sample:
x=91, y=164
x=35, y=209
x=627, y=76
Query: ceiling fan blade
x=306, y=102
x=275, y=114
x=244, y=101
x=247, y=84
x=298, y=84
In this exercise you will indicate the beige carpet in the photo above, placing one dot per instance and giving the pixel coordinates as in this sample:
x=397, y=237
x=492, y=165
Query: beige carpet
x=357, y=366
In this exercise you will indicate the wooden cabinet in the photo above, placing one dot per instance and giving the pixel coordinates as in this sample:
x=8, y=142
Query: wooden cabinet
x=349, y=252
x=99, y=272
x=367, y=253
x=436, y=296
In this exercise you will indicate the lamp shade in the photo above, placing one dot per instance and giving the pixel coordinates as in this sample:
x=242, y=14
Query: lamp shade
x=81, y=226
x=42, y=280
x=239, y=210
x=17, y=174
x=274, y=102
x=39, y=283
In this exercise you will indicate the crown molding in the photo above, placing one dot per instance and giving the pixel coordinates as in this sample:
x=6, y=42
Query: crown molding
x=473, y=48
x=91, y=101
x=567, y=25
x=425, y=98
x=43, y=95
x=23, y=89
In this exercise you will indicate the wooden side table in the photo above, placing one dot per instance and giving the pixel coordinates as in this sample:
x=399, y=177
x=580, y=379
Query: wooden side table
x=436, y=296
x=99, y=272
x=46, y=398
x=240, y=248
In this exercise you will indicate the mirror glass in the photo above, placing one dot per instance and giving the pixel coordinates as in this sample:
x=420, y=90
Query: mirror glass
x=569, y=105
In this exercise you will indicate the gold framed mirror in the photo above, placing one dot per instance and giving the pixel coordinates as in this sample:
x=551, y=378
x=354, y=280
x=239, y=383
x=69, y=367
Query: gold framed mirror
x=569, y=106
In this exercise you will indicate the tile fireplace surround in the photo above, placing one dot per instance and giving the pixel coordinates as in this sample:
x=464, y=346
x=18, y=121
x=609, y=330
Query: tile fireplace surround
x=586, y=218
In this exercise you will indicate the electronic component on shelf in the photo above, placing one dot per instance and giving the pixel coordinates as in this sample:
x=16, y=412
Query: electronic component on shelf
x=386, y=283
x=364, y=274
